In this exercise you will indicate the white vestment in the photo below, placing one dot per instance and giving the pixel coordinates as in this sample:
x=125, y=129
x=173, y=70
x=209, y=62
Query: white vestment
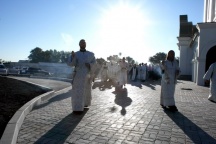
x=81, y=89
x=134, y=73
x=143, y=72
x=139, y=68
x=122, y=75
x=211, y=75
x=168, y=82
x=104, y=73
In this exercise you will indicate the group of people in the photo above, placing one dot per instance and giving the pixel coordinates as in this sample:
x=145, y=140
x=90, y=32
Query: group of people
x=83, y=62
x=139, y=72
x=122, y=71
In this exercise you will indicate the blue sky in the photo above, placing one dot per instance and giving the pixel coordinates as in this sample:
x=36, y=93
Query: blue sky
x=136, y=28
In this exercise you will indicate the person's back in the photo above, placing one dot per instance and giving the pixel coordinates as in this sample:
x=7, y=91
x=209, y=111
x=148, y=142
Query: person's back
x=210, y=76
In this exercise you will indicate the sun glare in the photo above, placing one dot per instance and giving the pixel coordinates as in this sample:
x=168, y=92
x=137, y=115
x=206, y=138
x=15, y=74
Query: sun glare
x=122, y=29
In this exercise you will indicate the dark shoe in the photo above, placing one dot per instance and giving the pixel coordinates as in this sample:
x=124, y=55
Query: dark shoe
x=163, y=106
x=173, y=108
x=77, y=112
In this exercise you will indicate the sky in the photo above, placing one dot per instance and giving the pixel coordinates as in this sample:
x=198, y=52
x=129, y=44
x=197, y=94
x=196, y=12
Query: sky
x=135, y=28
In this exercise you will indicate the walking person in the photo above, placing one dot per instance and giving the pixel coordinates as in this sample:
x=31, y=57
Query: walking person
x=122, y=77
x=133, y=73
x=210, y=75
x=143, y=73
x=169, y=80
x=84, y=61
x=104, y=72
x=70, y=58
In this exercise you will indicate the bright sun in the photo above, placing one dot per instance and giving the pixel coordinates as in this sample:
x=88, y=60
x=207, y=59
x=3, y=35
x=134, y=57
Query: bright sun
x=122, y=30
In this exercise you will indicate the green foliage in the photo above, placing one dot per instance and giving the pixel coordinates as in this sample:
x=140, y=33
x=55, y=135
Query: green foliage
x=114, y=58
x=38, y=55
x=100, y=61
x=130, y=60
x=157, y=58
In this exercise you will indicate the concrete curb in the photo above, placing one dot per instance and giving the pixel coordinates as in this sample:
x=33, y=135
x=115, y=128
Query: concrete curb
x=53, y=78
x=12, y=129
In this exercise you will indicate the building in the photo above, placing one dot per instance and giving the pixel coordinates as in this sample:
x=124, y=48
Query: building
x=197, y=44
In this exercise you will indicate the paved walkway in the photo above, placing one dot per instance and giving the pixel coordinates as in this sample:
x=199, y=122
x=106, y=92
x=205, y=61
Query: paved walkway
x=132, y=116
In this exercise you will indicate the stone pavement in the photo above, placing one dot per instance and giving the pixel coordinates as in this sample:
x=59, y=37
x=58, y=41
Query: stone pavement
x=128, y=117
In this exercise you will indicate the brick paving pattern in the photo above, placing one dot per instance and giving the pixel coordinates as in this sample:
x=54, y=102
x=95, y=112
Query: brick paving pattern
x=128, y=117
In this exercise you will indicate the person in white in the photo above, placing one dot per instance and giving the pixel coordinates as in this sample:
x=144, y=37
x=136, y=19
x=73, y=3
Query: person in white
x=70, y=58
x=133, y=72
x=210, y=75
x=122, y=77
x=139, y=71
x=104, y=73
x=143, y=72
x=84, y=61
x=168, y=81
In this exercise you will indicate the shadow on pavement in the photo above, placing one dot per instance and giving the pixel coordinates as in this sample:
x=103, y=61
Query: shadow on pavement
x=149, y=83
x=122, y=100
x=190, y=129
x=60, y=132
x=103, y=85
x=58, y=97
x=136, y=84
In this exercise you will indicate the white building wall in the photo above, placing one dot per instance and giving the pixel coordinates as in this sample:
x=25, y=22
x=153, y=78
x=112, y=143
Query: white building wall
x=194, y=60
x=186, y=55
x=209, y=11
x=207, y=40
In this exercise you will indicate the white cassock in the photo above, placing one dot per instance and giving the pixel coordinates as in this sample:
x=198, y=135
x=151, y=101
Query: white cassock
x=143, y=72
x=211, y=75
x=104, y=73
x=139, y=68
x=168, y=83
x=134, y=72
x=81, y=89
x=122, y=76
x=110, y=71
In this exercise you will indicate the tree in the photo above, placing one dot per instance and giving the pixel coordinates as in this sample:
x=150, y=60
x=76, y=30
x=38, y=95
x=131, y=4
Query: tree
x=130, y=60
x=100, y=61
x=113, y=58
x=38, y=55
x=157, y=58
x=35, y=55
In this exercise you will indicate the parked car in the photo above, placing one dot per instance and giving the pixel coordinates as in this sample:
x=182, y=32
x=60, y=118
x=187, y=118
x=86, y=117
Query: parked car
x=13, y=71
x=33, y=71
x=23, y=70
x=3, y=70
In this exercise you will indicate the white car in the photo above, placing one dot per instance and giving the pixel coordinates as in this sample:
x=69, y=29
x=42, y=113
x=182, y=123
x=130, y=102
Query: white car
x=3, y=70
x=13, y=71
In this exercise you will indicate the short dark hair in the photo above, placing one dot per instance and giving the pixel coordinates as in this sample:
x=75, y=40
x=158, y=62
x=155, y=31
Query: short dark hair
x=82, y=40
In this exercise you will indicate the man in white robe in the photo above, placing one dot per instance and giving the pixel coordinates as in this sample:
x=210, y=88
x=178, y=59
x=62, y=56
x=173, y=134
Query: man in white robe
x=168, y=81
x=143, y=72
x=122, y=76
x=139, y=68
x=70, y=58
x=133, y=73
x=84, y=61
x=104, y=73
x=211, y=75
